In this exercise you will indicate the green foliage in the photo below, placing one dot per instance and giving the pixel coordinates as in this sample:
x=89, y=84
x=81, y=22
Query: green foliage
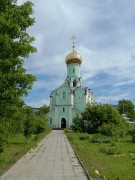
x=78, y=124
x=111, y=150
x=4, y=137
x=100, y=118
x=126, y=107
x=83, y=137
x=43, y=110
x=27, y=132
x=70, y=137
x=39, y=125
x=132, y=133
x=111, y=129
x=98, y=114
x=15, y=45
x=34, y=124
x=98, y=138
x=66, y=130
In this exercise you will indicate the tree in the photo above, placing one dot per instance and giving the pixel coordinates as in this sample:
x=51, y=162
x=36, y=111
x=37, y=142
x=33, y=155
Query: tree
x=43, y=110
x=97, y=115
x=78, y=124
x=33, y=124
x=100, y=118
x=15, y=46
x=126, y=107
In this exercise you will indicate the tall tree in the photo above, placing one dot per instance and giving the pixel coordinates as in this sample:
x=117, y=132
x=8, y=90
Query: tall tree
x=43, y=110
x=15, y=45
x=126, y=107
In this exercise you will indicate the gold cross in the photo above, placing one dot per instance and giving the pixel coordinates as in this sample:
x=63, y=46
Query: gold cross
x=73, y=40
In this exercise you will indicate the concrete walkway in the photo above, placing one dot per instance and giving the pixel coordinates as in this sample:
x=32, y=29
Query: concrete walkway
x=52, y=159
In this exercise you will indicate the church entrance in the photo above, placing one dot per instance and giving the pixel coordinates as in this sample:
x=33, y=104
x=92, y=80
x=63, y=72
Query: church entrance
x=63, y=123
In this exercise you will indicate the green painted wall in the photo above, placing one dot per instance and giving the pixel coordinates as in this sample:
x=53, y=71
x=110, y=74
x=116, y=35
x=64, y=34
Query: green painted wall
x=73, y=70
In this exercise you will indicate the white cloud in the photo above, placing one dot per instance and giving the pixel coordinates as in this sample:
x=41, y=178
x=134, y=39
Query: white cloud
x=105, y=40
x=47, y=84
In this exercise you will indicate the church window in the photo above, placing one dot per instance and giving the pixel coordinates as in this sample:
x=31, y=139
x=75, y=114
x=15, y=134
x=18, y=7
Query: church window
x=73, y=70
x=68, y=83
x=74, y=83
x=64, y=95
x=63, y=109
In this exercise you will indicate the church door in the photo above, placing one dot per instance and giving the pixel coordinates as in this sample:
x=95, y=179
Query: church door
x=63, y=123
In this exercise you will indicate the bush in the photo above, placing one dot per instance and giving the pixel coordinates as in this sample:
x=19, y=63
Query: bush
x=36, y=137
x=132, y=133
x=111, y=150
x=4, y=136
x=111, y=129
x=78, y=124
x=40, y=124
x=66, y=130
x=100, y=118
x=98, y=138
x=70, y=137
x=83, y=137
x=34, y=125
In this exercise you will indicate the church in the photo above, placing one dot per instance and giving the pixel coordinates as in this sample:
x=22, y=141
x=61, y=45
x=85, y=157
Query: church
x=70, y=98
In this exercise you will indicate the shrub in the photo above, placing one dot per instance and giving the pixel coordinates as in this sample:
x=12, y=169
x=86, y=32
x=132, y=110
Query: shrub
x=78, y=124
x=40, y=124
x=111, y=129
x=83, y=137
x=111, y=150
x=98, y=138
x=132, y=133
x=4, y=136
x=36, y=137
x=66, y=130
x=34, y=125
x=70, y=137
x=100, y=118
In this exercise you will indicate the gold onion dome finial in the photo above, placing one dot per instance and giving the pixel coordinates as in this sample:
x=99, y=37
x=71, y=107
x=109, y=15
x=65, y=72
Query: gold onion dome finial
x=73, y=57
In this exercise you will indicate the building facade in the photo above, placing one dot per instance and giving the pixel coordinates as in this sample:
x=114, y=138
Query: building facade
x=70, y=98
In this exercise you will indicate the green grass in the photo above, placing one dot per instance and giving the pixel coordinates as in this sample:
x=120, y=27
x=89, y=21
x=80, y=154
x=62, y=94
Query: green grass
x=110, y=167
x=17, y=147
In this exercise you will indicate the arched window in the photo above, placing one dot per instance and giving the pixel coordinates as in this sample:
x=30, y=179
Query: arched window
x=64, y=95
x=68, y=83
x=63, y=109
x=74, y=83
x=73, y=70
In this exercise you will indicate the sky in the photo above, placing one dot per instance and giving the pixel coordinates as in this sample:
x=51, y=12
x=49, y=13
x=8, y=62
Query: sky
x=105, y=31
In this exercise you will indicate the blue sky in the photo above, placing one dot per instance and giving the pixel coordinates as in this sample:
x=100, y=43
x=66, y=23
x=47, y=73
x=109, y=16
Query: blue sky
x=105, y=31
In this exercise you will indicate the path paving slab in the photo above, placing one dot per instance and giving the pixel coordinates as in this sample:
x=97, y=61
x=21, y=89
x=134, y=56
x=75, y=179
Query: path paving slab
x=52, y=159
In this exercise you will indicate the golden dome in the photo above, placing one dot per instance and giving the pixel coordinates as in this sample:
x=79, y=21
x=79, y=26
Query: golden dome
x=73, y=57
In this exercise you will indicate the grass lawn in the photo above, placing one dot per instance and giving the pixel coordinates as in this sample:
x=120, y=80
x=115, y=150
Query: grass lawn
x=110, y=167
x=17, y=147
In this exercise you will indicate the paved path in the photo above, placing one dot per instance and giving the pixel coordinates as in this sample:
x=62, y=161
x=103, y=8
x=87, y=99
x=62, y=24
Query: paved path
x=52, y=159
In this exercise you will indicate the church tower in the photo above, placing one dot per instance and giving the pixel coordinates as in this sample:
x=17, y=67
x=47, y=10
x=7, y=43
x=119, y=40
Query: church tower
x=69, y=99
